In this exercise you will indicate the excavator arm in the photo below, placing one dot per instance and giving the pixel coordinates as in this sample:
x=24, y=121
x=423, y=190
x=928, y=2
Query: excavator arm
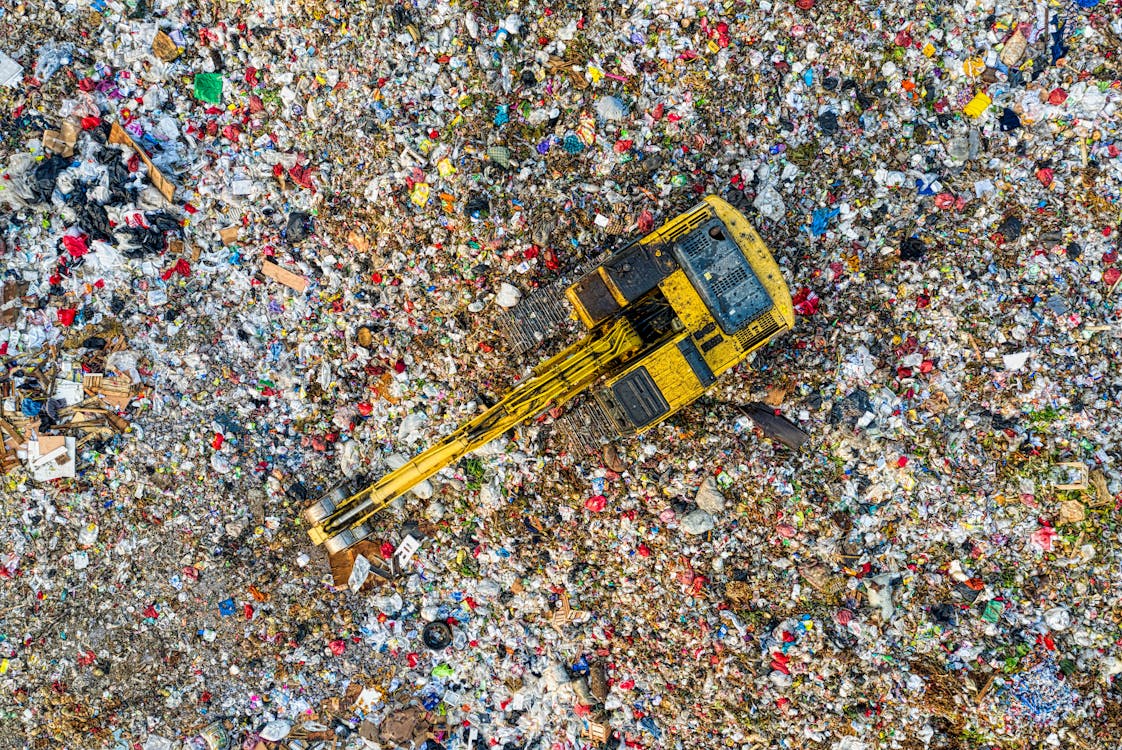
x=665, y=316
x=338, y=521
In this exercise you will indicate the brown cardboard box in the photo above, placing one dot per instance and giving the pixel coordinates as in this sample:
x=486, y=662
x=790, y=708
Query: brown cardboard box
x=164, y=48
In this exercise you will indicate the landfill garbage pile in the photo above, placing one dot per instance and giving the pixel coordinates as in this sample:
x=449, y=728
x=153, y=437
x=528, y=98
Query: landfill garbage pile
x=251, y=248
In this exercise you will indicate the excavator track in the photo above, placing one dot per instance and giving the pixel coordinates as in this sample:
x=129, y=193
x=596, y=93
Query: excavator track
x=534, y=320
x=543, y=315
x=584, y=428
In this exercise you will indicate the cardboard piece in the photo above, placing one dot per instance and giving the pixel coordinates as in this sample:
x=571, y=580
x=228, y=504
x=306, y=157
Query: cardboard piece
x=178, y=247
x=117, y=134
x=61, y=141
x=1102, y=492
x=10, y=293
x=288, y=278
x=342, y=564
x=229, y=235
x=564, y=614
x=164, y=48
x=51, y=457
x=358, y=242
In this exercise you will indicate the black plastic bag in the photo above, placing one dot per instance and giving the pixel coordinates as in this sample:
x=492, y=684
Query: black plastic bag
x=300, y=227
x=913, y=248
x=45, y=176
x=776, y=426
x=828, y=121
x=153, y=239
x=1011, y=228
x=118, y=180
x=93, y=219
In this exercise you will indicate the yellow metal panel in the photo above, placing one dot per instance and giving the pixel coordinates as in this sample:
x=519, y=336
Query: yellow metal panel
x=617, y=295
x=693, y=313
x=685, y=300
x=681, y=224
x=673, y=375
x=578, y=308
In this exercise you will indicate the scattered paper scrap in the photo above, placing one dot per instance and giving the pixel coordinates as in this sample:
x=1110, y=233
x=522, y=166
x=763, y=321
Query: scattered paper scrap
x=11, y=72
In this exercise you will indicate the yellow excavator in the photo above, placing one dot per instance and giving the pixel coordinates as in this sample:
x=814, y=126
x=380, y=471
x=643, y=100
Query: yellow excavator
x=665, y=316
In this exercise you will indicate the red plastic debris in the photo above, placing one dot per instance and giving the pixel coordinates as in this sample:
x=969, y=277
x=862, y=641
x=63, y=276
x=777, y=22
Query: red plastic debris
x=76, y=246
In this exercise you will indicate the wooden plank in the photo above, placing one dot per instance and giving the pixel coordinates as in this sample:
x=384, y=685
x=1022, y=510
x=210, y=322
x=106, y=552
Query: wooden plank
x=288, y=278
x=117, y=134
x=10, y=428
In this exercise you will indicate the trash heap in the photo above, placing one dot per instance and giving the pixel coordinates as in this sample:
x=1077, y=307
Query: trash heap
x=249, y=249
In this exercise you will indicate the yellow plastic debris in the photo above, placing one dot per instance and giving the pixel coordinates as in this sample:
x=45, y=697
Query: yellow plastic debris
x=420, y=194
x=976, y=106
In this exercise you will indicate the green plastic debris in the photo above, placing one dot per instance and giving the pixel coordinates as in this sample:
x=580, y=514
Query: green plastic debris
x=208, y=87
x=443, y=670
x=993, y=611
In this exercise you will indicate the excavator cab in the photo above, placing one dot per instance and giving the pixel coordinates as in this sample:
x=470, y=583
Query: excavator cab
x=665, y=316
x=703, y=291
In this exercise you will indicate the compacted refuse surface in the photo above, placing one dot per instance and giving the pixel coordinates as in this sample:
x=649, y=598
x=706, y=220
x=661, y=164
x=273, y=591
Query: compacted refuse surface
x=249, y=249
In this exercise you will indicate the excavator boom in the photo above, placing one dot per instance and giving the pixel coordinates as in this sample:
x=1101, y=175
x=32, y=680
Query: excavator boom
x=666, y=315
x=569, y=373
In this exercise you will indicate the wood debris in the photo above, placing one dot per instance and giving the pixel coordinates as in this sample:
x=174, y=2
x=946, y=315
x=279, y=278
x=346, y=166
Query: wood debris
x=284, y=276
x=117, y=134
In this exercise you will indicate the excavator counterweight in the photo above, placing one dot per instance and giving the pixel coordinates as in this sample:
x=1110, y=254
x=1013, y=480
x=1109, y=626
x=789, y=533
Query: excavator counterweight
x=665, y=317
